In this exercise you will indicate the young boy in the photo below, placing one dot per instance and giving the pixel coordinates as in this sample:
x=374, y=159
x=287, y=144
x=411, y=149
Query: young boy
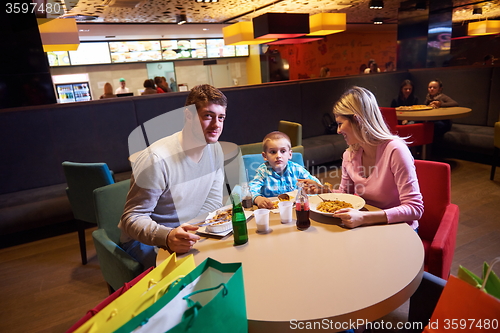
x=278, y=175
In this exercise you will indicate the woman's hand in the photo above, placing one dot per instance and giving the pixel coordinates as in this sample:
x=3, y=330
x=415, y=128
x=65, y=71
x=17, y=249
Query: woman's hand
x=311, y=187
x=351, y=218
x=263, y=202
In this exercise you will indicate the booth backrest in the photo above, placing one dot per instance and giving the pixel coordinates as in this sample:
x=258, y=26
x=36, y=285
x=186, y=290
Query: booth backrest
x=473, y=87
x=36, y=140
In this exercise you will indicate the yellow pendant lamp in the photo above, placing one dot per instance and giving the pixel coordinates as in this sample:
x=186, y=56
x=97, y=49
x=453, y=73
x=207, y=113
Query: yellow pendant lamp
x=326, y=23
x=59, y=34
x=487, y=27
x=241, y=33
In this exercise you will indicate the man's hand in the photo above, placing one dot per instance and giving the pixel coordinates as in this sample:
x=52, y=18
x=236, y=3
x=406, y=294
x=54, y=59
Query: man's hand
x=263, y=202
x=180, y=240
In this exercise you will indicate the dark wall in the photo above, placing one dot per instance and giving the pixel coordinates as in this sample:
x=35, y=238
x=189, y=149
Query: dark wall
x=24, y=72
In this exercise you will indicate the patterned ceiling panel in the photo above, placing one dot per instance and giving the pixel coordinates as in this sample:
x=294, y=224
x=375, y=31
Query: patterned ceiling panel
x=165, y=11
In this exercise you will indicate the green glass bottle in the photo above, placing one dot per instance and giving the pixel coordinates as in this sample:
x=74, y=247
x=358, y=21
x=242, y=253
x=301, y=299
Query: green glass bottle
x=239, y=220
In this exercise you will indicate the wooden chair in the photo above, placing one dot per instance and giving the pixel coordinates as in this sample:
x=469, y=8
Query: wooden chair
x=82, y=180
x=439, y=223
x=420, y=134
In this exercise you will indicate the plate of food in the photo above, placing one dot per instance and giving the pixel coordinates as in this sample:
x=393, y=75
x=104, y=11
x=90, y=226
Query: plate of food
x=289, y=196
x=220, y=221
x=334, y=202
x=414, y=108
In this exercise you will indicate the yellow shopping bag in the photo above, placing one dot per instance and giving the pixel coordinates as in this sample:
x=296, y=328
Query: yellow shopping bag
x=142, y=295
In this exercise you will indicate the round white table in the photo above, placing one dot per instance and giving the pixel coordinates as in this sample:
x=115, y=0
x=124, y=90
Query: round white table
x=434, y=114
x=325, y=274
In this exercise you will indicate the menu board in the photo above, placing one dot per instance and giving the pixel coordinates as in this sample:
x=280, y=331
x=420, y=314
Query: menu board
x=242, y=51
x=184, y=49
x=90, y=54
x=58, y=58
x=94, y=53
x=135, y=51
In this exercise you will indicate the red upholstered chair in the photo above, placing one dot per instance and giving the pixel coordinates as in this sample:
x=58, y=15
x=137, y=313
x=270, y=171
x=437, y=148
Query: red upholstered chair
x=419, y=134
x=439, y=223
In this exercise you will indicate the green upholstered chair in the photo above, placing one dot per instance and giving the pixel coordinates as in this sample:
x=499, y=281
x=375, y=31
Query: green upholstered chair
x=253, y=161
x=496, y=151
x=293, y=130
x=82, y=180
x=117, y=266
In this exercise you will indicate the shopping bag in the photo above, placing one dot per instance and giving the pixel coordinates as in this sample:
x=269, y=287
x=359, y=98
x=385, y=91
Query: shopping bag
x=108, y=300
x=209, y=299
x=465, y=307
x=492, y=285
x=140, y=296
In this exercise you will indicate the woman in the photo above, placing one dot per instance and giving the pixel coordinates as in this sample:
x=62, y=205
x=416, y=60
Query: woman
x=405, y=97
x=377, y=165
x=150, y=88
x=108, y=91
x=158, y=83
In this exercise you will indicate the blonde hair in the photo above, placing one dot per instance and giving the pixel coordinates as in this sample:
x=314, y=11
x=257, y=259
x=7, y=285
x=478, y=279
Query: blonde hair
x=360, y=107
x=276, y=135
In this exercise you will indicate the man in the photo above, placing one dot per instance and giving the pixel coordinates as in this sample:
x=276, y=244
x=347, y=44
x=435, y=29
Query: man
x=121, y=89
x=176, y=179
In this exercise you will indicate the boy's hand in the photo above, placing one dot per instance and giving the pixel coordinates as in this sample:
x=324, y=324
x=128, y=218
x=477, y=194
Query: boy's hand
x=263, y=202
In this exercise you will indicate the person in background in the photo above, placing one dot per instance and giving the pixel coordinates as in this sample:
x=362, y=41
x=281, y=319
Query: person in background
x=389, y=67
x=488, y=60
x=176, y=179
x=173, y=85
x=160, y=88
x=157, y=81
x=436, y=99
x=377, y=165
x=122, y=89
x=435, y=96
x=165, y=85
x=278, y=174
x=372, y=67
x=324, y=72
x=150, y=88
x=406, y=95
x=108, y=91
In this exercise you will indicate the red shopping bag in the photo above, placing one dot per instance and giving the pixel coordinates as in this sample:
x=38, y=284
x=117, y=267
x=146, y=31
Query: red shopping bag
x=464, y=308
x=108, y=300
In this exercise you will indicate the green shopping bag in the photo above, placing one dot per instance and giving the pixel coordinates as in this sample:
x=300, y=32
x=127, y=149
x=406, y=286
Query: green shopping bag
x=492, y=285
x=209, y=299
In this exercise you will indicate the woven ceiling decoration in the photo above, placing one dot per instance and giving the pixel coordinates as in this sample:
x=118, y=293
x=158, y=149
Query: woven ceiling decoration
x=165, y=11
